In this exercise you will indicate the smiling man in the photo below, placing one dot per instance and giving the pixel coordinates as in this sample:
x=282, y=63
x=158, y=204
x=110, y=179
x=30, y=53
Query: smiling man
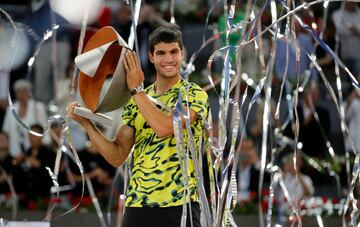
x=156, y=188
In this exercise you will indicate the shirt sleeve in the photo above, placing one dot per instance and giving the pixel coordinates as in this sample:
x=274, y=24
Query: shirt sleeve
x=198, y=100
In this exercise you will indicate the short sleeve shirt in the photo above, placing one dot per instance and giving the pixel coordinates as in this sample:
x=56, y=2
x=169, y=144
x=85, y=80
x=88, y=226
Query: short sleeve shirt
x=156, y=178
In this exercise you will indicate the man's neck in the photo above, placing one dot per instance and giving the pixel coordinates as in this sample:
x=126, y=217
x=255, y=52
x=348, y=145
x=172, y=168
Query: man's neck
x=162, y=85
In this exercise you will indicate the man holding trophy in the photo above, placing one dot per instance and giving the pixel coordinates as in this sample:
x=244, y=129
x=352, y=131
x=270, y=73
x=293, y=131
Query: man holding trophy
x=155, y=195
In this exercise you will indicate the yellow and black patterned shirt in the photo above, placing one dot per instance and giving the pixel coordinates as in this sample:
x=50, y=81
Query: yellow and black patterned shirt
x=156, y=179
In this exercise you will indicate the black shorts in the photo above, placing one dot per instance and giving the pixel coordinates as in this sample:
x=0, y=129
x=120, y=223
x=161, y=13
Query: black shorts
x=157, y=217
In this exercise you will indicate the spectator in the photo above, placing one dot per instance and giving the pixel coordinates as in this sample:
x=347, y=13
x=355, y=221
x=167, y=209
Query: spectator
x=298, y=187
x=29, y=111
x=306, y=45
x=313, y=132
x=122, y=20
x=256, y=128
x=248, y=172
x=8, y=165
x=97, y=168
x=36, y=158
x=353, y=119
x=64, y=177
x=324, y=59
x=346, y=20
x=55, y=135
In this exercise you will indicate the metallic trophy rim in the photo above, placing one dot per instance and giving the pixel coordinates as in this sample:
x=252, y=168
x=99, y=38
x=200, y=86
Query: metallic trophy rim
x=102, y=58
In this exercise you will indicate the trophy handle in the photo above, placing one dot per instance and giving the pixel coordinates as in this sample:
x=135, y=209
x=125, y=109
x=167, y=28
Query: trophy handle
x=97, y=117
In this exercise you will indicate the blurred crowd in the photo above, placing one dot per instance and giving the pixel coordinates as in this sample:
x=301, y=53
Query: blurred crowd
x=309, y=126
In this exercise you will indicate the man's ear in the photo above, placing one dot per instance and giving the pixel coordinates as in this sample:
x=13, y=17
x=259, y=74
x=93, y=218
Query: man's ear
x=151, y=57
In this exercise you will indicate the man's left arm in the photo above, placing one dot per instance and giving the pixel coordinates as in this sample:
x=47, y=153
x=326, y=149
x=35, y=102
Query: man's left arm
x=160, y=122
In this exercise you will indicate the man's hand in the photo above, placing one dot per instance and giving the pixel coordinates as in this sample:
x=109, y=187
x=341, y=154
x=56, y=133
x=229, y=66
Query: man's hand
x=70, y=113
x=134, y=73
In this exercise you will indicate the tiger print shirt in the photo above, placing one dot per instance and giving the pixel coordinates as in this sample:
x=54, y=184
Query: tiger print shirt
x=156, y=179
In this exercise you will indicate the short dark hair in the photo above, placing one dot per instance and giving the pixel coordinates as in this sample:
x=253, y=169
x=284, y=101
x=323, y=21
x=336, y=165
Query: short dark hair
x=37, y=127
x=165, y=34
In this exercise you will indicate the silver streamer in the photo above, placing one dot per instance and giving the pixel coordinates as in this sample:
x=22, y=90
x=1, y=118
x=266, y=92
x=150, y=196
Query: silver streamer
x=180, y=147
x=80, y=46
x=95, y=201
x=56, y=186
x=172, y=11
x=275, y=21
x=13, y=39
x=135, y=17
x=218, y=212
x=231, y=192
x=119, y=173
x=191, y=146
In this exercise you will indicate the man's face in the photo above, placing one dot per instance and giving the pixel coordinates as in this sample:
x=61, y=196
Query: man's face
x=35, y=141
x=22, y=94
x=167, y=58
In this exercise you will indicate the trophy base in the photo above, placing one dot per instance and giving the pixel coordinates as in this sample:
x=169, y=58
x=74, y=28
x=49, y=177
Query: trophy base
x=97, y=117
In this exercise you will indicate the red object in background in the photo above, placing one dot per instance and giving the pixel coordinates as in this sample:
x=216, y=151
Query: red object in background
x=53, y=200
x=335, y=201
x=264, y=205
x=253, y=194
x=324, y=199
x=31, y=205
x=86, y=201
x=75, y=200
x=105, y=17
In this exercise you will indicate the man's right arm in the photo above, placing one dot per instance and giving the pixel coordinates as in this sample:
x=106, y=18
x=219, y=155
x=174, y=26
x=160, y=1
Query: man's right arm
x=114, y=151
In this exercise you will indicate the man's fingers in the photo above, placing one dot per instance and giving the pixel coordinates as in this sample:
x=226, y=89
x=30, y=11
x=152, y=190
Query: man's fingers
x=126, y=65
x=71, y=107
x=131, y=59
x=135, y=59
